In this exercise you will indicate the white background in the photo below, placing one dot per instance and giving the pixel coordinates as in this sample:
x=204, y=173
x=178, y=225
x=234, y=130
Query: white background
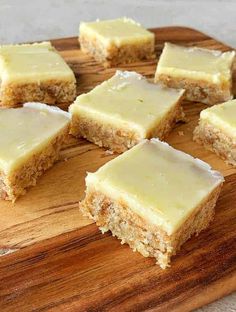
x=30, y=20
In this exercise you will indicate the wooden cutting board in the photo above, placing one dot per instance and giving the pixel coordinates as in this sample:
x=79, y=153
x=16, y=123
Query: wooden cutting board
x=53, y=259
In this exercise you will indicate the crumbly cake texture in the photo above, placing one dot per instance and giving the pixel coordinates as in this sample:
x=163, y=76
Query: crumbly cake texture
x=209, y=87
x=215, y=138
x=34, y=72
x=50, y=92
x=109, y=45
x=14, y=183
x=17, y=183
x=123, y=135
x=137, y=231
x=216, y=141
x=120, y=139
x=150, y=241
x=198, y=91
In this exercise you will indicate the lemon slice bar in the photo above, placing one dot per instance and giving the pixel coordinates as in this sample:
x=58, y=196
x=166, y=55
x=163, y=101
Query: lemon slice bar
x=30, y=140
x=125, y=109
x=34, y=72
x=205, y=74
x=153, y=198
x=112, y=42
x=217, y=130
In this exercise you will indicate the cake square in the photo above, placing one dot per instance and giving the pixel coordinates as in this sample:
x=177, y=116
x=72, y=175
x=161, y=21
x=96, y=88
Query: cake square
x=117, y=41
x=30, y=140
x=153, y=198
x=206, y=75
x=125, y=109
x=217, y=130
x=34, y=72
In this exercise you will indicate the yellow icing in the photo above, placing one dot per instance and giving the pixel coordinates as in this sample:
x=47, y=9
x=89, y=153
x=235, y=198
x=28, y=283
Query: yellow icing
x=195, y=63
x=159, y=183
x=27, y=130
x=117, y=31
x=127, y=100
x=222, y=116
x=32, y=63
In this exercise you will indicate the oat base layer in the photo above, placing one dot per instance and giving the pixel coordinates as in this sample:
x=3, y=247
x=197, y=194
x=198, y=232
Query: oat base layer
x=48, y=92
x=149, y=240
x=121, y=139
x=216, y=141
x=113, y=55
x=16, y=184
x=198, y=91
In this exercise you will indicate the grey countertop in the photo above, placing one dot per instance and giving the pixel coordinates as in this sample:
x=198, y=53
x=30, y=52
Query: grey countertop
x=38, y=20
x=31, y=20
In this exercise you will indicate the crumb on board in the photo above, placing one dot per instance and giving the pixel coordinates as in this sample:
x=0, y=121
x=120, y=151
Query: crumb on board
x=109, y=152
x=180, y=133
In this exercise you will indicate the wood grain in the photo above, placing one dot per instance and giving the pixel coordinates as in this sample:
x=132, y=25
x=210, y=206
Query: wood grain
x=56, y=260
